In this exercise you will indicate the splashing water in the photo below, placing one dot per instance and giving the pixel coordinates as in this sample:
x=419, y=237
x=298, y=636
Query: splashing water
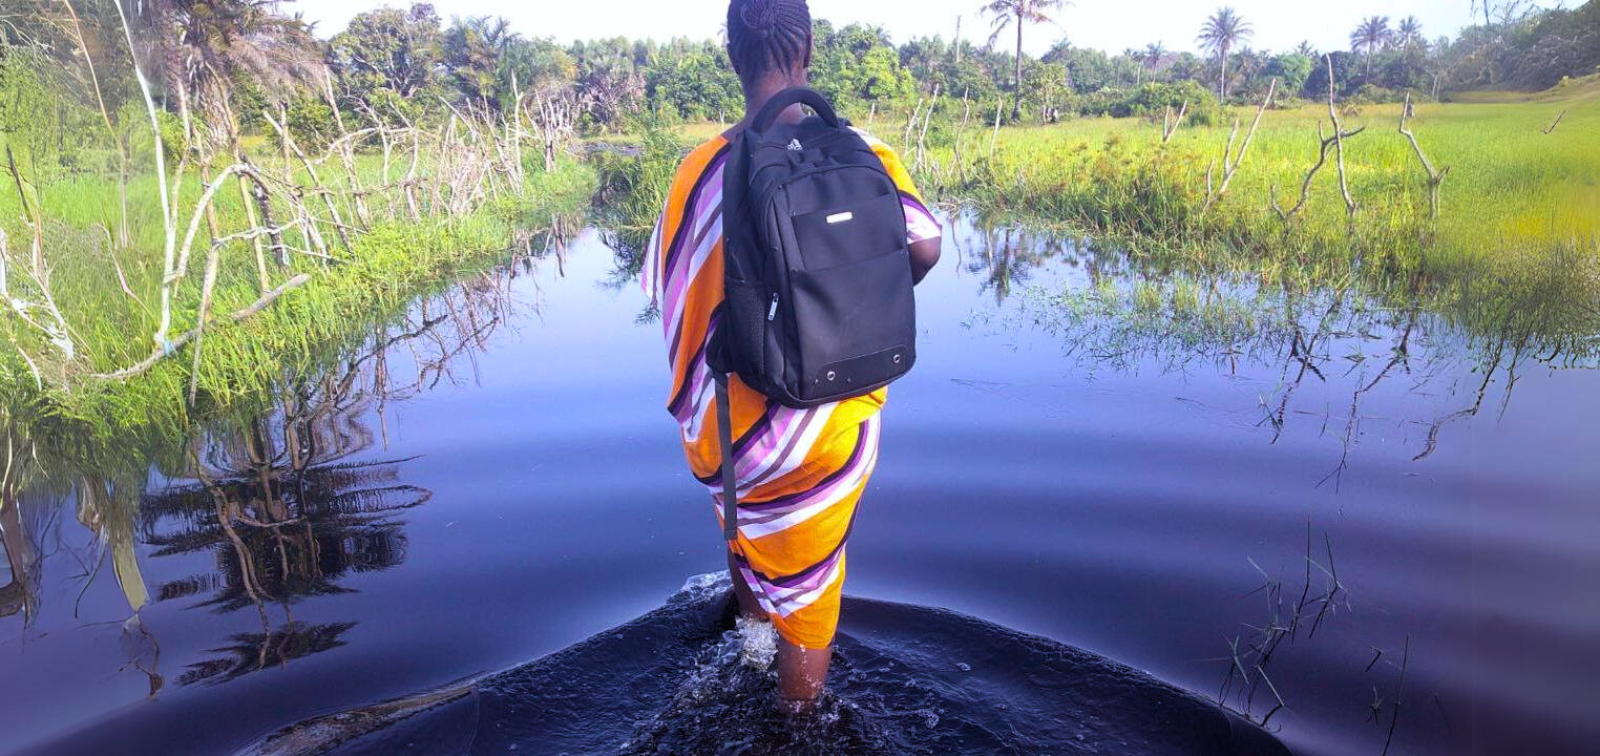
x=692, y=678
x=758, y=642
x=754, y=641
x=702, y=588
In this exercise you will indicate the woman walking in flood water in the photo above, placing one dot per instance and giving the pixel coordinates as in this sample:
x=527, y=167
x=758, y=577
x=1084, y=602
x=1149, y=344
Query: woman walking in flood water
x=799, y=473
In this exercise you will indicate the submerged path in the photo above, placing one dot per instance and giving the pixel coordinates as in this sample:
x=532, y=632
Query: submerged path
x=908, y=680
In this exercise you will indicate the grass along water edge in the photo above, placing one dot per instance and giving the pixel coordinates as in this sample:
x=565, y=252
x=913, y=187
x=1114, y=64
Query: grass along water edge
x=59, y=406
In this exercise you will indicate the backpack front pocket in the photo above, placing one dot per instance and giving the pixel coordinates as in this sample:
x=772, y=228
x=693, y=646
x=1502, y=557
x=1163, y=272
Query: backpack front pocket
x=852, y=233
x=856, y=325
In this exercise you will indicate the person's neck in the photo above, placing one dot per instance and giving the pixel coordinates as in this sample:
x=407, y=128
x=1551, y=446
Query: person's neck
x=757, y=95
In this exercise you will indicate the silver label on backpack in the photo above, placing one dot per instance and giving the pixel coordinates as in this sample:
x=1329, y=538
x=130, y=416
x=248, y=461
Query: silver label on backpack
x=794, y=144
x=841, y=218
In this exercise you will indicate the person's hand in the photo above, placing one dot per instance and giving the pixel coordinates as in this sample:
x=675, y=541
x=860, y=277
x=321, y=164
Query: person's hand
x=924, y=256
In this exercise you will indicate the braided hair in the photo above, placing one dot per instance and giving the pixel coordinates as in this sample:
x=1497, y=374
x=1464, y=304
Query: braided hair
x=768, y=35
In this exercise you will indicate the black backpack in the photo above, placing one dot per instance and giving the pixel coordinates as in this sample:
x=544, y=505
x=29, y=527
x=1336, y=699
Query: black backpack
x=818, y=305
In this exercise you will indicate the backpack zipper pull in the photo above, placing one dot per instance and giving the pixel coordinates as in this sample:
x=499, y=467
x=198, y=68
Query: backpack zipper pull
x=773, y=313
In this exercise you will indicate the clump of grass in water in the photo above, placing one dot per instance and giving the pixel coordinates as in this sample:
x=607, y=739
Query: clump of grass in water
x=1173, y=323
x=1287, y=617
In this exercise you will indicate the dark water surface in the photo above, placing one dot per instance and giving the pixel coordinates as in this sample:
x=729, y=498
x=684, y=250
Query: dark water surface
x=1346, y=503
x=906, y=681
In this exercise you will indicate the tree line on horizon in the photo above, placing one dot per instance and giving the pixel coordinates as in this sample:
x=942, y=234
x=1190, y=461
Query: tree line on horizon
x=241, y=60
x=482, y=60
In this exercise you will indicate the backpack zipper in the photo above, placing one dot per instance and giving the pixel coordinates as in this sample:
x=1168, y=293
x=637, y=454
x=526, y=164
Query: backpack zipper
x=773, y=313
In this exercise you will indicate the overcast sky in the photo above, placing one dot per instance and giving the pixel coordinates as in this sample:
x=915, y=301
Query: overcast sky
x=1111, y=25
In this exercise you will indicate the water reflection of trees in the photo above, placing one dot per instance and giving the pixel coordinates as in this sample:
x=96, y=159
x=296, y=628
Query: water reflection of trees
x=283, y=494
x=284, y=500
x=1007, y=257
x=627, y=245
x=22, y=564
x=252, y=652
x=1463, y=348
x=280, y=531
x=35, y=495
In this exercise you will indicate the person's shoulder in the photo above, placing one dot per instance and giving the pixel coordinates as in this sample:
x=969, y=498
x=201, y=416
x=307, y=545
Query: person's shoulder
x=700, y=158
x=882, y=148
x=709, y=148
x=877, y=145
x=891, y=159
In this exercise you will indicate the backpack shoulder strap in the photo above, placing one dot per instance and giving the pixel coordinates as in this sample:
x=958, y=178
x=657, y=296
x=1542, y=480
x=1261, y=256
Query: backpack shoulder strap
x=794, y=96
x=730, y=483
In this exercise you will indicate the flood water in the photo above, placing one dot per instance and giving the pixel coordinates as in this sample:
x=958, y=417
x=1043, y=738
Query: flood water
x=1372, y=528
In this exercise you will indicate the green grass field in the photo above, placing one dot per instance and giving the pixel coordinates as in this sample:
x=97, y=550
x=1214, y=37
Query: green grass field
x=1508, y=181
x=1516, y=244
x=1507, y=178
x=1518, y=228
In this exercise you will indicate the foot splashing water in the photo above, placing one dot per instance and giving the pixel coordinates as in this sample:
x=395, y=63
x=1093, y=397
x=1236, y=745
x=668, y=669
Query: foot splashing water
x=728, y=704
x=692, y=679
x=758, y=642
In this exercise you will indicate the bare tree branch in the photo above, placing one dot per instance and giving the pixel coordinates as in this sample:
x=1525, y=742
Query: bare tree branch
x=1229, y=169
x=1435, y=177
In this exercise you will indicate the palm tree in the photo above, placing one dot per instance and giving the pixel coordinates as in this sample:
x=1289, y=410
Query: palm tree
x=1153, y=56
x=1224, y=30
x=1306, y=49
x=1372, y=33
x=1134, y=57
x=1409, y=34
x=205, y=45
x=473, y=50
x=1021, y=12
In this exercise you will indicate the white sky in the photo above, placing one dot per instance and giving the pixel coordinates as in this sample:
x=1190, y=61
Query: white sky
x=1111, y=26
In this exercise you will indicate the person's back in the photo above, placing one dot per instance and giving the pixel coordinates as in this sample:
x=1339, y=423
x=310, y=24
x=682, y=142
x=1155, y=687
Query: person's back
x=800, y=473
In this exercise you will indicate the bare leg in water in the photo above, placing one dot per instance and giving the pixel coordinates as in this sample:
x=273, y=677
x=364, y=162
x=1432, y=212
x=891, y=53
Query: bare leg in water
x=802, y=672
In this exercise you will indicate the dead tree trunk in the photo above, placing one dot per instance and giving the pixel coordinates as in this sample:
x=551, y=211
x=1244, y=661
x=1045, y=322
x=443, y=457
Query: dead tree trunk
x=1338, y=143
x=1552, y=128
x=1288, y=216
x=31, y=212
x=1170, y=125
x=911, y=124
x=1435, y=176
x=927, y=120
x=1230, y=169
x=311, y=172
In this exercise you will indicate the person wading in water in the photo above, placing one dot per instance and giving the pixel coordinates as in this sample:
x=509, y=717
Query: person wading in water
x=800, y=472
